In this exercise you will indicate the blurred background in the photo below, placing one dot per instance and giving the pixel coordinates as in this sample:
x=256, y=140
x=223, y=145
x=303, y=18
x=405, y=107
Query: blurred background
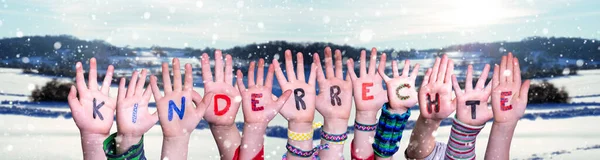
x=556, y=42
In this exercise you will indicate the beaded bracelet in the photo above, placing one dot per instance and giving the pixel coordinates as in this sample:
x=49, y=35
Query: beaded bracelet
x=301, y=153
x=334, y=138
x=365, y=127
x=300, y=136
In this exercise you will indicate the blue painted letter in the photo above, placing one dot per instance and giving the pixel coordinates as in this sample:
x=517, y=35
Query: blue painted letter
x=173, y=106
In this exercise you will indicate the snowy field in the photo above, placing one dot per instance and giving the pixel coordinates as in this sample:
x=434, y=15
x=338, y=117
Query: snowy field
x=24, y=137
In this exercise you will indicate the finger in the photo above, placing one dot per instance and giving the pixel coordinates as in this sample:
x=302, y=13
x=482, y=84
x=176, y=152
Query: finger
x=456, y=87
x=426, y=78
x=329, y=63
x=139, y=88
x=320, y=74
x=147, y=93
x=300, y=67
x=363, y=63
x=93, y=75
x=313, y=76
x=495, y=76
x=338, y=64
x=240, y=81
x=202, y=103
x=122, y=91
x=74, y=103
x=381, y=68
x=132, y=82
x=281, y=100
x=251, y=74
x=509, y=68
x=279, y=73
x=524, y=93
x=395, y=68
x=442, y=70
x=469, y=79
x=166, y=79
x=372, y=61
x=80, y=79
x=350, y=67
x=406, y=68
x=189, y=79
x=206, y=72
x=105, y=89
x=289, y=66
x=517, y=72
x=260, y=75
x=269, y=80
x=415, y=72
x=483, y=77
x=449, y=71
x=436, y=68
x=219, y=77
x=503, y=70
x=155, y=89
x=228, y=69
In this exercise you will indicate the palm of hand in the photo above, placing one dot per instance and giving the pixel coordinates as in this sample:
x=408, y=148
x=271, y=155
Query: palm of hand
x=508, y=107
x=374, y=97
x=402, y=92
x=133, y=116
x=175, y=124
x=330, y=107
x=482, y=112
x=89, y=122
x=297, y=112
x=263, y=110
x=436, y=93
x=212, y=113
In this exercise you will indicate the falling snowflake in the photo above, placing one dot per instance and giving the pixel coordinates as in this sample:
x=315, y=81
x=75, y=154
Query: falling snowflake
x=199, y=4
x=146, y=15
x=366, y=35
x=19, y=34
x=0, y=23
x=25, y=59
x=326, y=19
x=240, y=4
x=57, y=45
x=31, y=87
x=579, y=62
x=545, y=31
x=261, y=25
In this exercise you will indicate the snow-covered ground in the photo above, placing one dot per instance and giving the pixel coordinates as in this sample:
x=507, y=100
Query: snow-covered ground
x=58, y=138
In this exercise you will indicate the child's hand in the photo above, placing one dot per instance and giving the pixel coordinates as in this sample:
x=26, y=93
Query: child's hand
x=133, y=118
x=299, y=108
x=258, y=103
x=401, y=90
x=335, y=93
x=435, y=98
x=227, y=97
x=368, y=91
x=93, y=111
x=509, y=97
x=177, y=115
x=472, y=103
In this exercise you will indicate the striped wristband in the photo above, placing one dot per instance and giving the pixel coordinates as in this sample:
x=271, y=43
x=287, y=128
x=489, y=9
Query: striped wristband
x=461, y=144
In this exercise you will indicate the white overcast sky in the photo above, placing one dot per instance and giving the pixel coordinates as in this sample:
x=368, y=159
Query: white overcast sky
x=223, y=24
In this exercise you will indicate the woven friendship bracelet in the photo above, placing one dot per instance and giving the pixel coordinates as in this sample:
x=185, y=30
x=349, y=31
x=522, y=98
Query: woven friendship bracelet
x=389, y=132
x=365, y=127
x=334, y=138
x=301, y=153
x=461, y=144
x=300, y=136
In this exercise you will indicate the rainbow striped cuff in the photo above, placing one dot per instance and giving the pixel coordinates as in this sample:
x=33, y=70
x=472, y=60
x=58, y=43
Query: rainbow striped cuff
x=461, y=144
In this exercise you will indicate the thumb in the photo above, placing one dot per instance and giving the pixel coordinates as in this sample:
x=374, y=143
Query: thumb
x=282, y=99
x=201, y=103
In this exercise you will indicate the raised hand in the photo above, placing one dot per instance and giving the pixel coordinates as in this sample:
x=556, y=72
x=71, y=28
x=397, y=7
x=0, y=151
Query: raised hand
x=227, y=97
x=509, y=96
x=133, y=118
x=178, y=117
x=257, y=100
x=368, y=90
x=94, y=110
x=300, y=107
x=334, y=91
x=435, y=98
x=401, y=90
x=472, y=103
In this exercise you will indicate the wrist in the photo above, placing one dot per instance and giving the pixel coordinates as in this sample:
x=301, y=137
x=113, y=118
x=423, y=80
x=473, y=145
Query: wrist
x=300, y=127
x=366, y=117
x=397, y=110
x=93, y=136
x=335, y=126
x=507, y=125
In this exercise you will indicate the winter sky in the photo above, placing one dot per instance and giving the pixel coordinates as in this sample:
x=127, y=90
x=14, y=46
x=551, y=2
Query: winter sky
x=391, y=23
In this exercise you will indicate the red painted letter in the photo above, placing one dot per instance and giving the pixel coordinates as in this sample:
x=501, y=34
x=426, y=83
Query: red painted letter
x=227, y=100
x=503, y=101
x=255, y=101
x=365, y=90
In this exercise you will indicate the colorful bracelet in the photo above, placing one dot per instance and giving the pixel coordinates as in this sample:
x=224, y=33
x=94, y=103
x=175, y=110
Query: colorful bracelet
x=389, y=132
x=135, y=152
x=334, y=138
x=301, y=153
x=365, y=127
x=300, y=136
x=461, y=144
